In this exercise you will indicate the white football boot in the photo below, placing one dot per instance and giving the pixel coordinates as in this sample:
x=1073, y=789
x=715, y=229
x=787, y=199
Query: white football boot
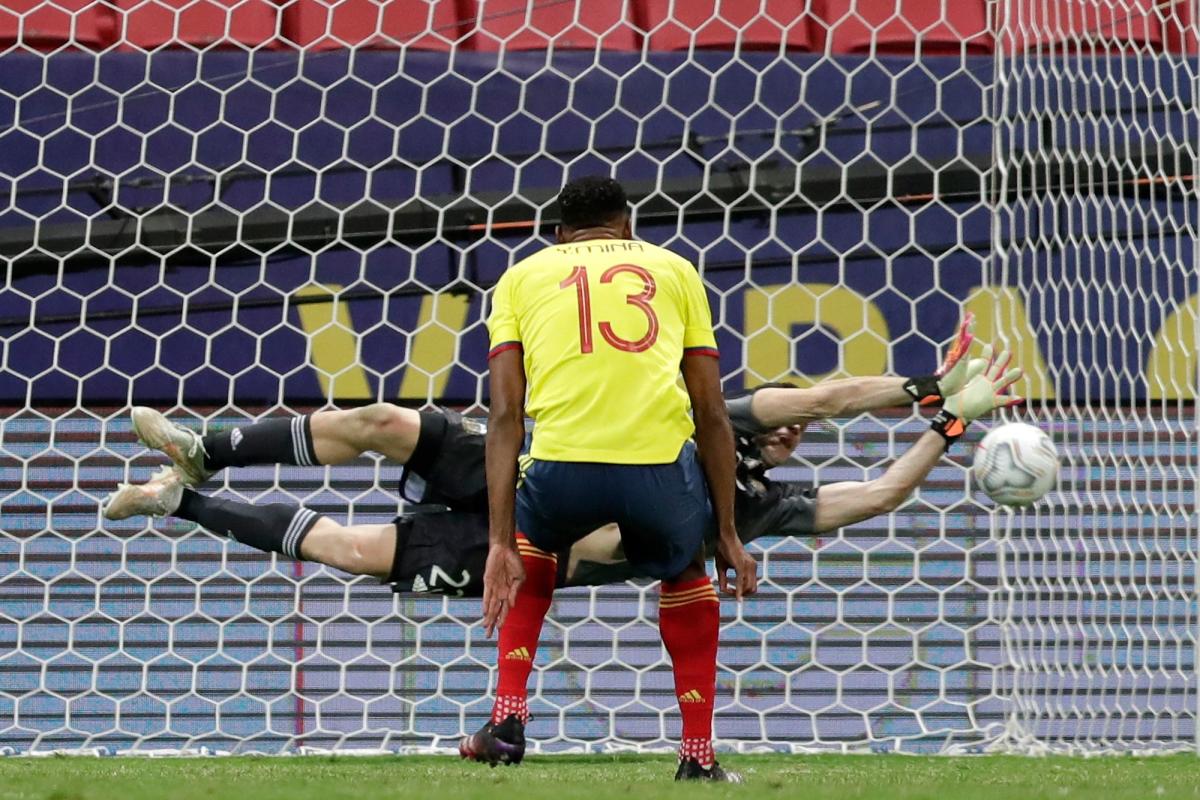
x=157, y=497
x=182, y=445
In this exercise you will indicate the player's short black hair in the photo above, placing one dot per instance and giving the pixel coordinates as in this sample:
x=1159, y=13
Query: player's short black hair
x=591, y=201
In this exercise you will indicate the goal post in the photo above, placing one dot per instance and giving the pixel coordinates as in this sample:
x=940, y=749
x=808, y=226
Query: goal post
x=229, y=211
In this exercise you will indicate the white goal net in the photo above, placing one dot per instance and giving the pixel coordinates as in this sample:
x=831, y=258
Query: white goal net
x=235, y=208
x=1096, y=228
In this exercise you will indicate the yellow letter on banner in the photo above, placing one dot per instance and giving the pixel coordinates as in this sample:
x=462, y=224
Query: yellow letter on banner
x=1171, y=372
x=334, y=344
x=1001, y=318
x=434, y=346
x=771, y=311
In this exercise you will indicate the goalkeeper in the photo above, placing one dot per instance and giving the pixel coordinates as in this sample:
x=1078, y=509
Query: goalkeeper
x=442, y=546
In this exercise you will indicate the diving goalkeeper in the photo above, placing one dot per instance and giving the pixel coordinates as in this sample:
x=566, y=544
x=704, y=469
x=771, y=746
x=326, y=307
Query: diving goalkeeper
x=442, y=545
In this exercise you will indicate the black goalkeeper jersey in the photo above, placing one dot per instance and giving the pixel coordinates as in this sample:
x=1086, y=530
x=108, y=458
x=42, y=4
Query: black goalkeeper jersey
x=764, y=507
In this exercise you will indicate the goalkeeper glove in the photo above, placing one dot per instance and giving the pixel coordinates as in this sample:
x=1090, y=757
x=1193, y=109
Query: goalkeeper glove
x=951, y=376
x=985, y=390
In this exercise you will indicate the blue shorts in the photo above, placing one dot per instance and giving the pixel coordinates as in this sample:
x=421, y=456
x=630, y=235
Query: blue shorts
x=662, y=509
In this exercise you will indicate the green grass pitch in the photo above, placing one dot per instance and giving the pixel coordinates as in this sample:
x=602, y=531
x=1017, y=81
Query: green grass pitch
x=597, y=778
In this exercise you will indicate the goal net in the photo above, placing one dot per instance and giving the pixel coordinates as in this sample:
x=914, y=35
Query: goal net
x=229, y=209
x=1096, y=231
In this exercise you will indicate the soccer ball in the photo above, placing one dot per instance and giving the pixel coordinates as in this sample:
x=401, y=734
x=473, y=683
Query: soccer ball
x=1015, y=464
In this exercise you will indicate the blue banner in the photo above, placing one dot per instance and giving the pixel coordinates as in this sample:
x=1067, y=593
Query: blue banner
x=845, y=289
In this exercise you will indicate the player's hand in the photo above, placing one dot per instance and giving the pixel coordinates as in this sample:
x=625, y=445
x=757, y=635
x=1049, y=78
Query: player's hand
x=733, y=555
x=502, y=577
x=986, y=389
x=952, y=374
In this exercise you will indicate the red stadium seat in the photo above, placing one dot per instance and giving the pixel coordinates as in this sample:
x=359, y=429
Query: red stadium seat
x=526, y=25
x=330, y=24
x=49, y=25
x=149, y=24
x=752, y=24
x=902, y=27
x=1108, y=25
x=1180, y=28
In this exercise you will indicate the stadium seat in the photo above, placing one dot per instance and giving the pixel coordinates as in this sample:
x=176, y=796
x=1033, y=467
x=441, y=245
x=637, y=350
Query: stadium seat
x=40, y=25
x=1080, y=24
x=527, y=25
x=902, y=27
x=724, y=24
x=1179, y=22
x=149, y=24
x=330, y=24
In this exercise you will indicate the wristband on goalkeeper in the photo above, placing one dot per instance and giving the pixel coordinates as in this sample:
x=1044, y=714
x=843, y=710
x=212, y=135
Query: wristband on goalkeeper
x=948, y=426
x=924, y=389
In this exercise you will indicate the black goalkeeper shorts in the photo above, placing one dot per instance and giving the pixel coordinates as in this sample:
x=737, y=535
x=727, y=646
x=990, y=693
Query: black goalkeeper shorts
x=440, y=551
x=449, y=460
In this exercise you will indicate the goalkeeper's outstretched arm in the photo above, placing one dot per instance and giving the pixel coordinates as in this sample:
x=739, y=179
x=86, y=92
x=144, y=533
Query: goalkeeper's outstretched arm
x=985, y=390
x=773, y=407
x=848, y=502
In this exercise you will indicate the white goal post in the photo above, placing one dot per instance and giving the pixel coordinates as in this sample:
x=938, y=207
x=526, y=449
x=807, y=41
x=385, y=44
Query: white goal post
x=236, y=208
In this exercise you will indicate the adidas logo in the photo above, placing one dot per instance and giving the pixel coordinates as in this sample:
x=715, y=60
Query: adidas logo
x=235, y=438
x=519, y=654
x=691, y=696
x=419, y=585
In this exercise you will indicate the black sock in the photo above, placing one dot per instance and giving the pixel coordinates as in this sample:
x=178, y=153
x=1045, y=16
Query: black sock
x=274, y=528
x=273, y=441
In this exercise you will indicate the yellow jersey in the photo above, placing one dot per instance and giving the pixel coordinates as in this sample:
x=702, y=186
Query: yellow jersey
x=603, y=325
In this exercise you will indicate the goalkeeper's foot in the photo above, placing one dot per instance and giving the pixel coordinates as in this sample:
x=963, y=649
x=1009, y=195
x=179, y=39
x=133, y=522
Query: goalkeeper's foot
x=157, y=497
x=690, y=770
x=496, y=744
x=182, y=445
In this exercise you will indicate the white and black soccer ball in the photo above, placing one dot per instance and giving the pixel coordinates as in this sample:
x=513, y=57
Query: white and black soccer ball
x=1015, y=464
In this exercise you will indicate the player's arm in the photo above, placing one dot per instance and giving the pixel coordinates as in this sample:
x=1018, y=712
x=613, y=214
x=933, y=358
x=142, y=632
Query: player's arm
x=986, y=389
x=503, y=573
x=773, y=407
x=714, y=434
x=848, y=502
x=714, y=437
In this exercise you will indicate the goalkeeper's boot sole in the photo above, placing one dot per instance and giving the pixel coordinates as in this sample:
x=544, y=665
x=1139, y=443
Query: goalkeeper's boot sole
x=182, y=445
x=158, y=497
x=496, y=744
x=690, y=770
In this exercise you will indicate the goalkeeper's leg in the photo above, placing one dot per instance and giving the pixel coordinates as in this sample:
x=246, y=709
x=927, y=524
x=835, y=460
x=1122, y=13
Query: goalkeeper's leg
x=326, y=437
x=292, y=530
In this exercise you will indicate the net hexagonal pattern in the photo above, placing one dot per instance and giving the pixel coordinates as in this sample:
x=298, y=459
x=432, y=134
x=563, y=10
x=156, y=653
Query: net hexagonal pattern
x=231, y=209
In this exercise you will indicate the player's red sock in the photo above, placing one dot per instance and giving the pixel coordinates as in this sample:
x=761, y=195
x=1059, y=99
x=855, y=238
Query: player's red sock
x=689, y=616
x=518, y=639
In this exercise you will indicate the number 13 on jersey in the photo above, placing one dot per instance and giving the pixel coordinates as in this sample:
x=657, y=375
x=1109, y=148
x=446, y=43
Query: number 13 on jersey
x=640, y=300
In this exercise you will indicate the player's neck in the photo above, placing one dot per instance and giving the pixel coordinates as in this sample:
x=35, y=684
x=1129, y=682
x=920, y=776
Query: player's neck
x=587, y=234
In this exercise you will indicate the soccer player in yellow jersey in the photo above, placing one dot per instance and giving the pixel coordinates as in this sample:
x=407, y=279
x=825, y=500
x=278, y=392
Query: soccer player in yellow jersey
x=598, y=327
